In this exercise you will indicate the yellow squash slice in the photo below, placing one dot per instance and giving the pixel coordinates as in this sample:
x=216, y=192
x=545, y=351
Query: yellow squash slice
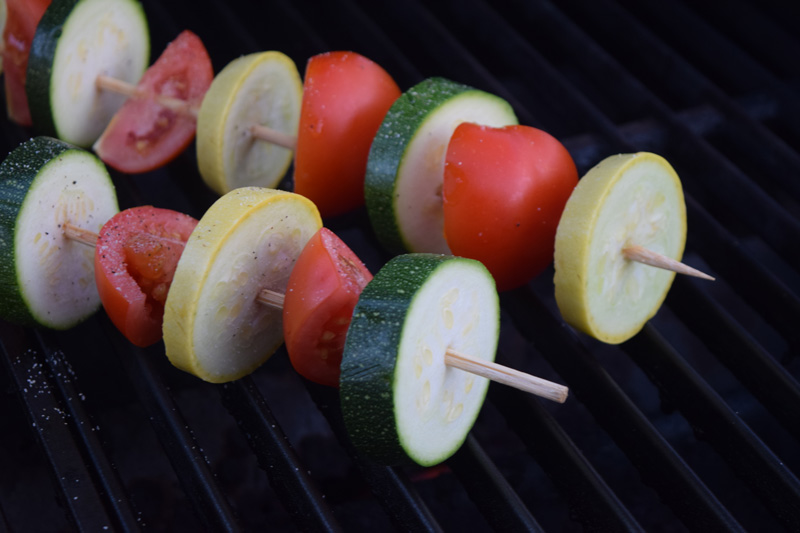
x=628, y=199
x=261, y=89
x=249, y=240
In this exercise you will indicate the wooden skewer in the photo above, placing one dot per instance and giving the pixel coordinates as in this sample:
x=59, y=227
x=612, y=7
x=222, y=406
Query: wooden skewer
x=507, y=376
x=648, y=257
x=83, y=236
x=493, y=371
x=258, y=131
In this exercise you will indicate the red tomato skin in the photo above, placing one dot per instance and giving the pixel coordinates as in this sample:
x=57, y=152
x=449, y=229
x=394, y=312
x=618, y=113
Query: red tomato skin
x=144, y=135
x=323, y=289
x=345, y=98
x=504, y=191
x=21, y=20
x=135, y=312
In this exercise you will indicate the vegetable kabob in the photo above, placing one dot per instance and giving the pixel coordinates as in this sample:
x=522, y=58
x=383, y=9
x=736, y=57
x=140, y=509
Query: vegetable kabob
x=214, y=325
x=450, y=171
x=329, y=121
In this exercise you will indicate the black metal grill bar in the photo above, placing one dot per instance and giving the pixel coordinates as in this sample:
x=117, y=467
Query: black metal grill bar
x=590, y=499
x=107, y=478
x=660, y=466
x=185, y=454
x=777, y=163
x=768, y=381
x=297, y=491
x=82, y=499
x=492, y=494
x=723, y=187
x=702, y=42
x=714, y=421
x=390, y=485
x=738, y=266
x=746, y=23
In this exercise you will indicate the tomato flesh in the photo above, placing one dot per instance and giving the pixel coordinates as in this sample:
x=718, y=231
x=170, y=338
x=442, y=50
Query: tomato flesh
x=504, y=191
x=143, y=134
x=323, y=289
x=135, y=258
x=22, y=18
x=345, y=98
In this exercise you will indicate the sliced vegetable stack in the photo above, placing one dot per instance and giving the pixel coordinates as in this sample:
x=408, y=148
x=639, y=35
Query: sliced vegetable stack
x=403, y=185
x=330, y=122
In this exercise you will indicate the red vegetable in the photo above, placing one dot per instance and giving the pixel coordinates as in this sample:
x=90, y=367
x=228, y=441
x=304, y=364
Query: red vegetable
x=143, y=134
x=504, y=191
x=323, y=290
x=135, y=258
x=345, y=98
x=21, y=20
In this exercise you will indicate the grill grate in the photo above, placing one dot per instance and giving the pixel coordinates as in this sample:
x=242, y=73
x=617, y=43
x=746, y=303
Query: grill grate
x=693, y=424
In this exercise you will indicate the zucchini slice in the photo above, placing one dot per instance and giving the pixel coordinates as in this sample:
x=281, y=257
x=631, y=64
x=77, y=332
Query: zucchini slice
x=76, y=41
x=258, y=89
x=405, y=169
x=247, y=241
x=627, y=199
x=45, y=278
x=399, y=400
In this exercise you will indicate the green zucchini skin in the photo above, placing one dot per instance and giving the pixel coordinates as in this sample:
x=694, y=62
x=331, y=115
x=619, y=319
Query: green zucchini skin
x=367, y=380
x=17, y=173
x=40, y=65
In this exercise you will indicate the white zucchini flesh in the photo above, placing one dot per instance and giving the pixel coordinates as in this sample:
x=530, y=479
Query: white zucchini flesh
x=436, y=405
x=108, y=37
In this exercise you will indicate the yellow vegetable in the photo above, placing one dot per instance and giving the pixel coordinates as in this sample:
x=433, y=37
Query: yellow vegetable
x=261, y=89
x=249, y=240
x=627, y=199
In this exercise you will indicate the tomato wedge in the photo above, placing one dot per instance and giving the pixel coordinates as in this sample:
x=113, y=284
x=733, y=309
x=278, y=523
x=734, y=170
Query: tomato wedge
x=504, y=190
x=22, y=18
x=345, y=98
x=323, y=290
x=135, y=258
x=143, y=134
